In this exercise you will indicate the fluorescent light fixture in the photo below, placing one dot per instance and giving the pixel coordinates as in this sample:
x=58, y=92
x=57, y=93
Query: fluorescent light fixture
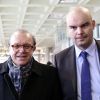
x=68, y=1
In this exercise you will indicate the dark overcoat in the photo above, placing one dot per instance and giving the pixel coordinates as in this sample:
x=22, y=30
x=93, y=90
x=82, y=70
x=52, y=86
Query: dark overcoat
x=42, y=84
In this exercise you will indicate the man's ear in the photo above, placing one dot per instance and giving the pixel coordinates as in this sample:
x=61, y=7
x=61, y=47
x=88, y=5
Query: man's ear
x=34, y=48
x=93, y=23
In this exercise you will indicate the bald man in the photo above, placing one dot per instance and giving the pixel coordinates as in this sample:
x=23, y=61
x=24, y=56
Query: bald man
x=69, y=62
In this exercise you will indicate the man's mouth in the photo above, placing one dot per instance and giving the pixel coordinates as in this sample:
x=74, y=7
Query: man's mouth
x=21, y=56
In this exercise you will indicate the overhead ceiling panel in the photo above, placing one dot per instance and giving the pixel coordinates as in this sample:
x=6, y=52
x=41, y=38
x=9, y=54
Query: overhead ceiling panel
x=40, y=17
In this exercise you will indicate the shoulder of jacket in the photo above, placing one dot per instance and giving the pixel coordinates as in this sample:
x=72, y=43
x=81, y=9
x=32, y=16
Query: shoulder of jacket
x=66, y=50
x=3, y=67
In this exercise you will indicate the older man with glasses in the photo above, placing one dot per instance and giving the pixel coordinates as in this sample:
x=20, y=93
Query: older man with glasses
x=22, y=77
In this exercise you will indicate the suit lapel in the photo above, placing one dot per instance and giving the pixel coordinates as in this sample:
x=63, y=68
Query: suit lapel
x=98, y=47
x=71, y=62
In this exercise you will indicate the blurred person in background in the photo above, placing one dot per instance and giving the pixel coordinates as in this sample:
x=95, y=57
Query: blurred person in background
x=22, y=77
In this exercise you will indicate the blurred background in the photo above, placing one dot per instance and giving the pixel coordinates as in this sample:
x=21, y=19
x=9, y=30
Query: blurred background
x=45, y=19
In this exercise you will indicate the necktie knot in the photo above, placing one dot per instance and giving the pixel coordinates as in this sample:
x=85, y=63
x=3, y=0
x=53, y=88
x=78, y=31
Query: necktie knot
x=84, y=54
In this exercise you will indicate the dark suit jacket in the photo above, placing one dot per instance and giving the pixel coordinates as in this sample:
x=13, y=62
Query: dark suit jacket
x=65, y=61
x=43, y=84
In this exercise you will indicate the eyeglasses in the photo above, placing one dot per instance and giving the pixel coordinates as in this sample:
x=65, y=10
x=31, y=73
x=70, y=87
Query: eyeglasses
x=25, y=46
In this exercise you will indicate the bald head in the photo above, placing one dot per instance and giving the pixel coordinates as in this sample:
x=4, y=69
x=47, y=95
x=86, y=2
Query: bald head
x=80, y=26
x=23, y=32
x=78, y=11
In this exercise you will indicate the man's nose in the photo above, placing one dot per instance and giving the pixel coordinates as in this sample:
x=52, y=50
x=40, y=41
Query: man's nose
x=79, y=30
x=21, y=48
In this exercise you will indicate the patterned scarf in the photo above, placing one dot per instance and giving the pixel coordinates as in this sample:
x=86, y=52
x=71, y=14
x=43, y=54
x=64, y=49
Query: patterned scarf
x=19, y=74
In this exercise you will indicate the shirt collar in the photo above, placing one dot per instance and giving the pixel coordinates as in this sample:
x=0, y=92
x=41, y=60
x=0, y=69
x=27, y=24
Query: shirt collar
x=90, y=50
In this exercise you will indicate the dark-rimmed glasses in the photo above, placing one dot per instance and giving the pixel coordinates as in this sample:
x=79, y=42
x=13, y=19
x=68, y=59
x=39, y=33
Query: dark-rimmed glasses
x=25, y=46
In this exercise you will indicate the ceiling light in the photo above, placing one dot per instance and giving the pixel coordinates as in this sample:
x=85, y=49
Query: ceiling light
x=68, y=1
